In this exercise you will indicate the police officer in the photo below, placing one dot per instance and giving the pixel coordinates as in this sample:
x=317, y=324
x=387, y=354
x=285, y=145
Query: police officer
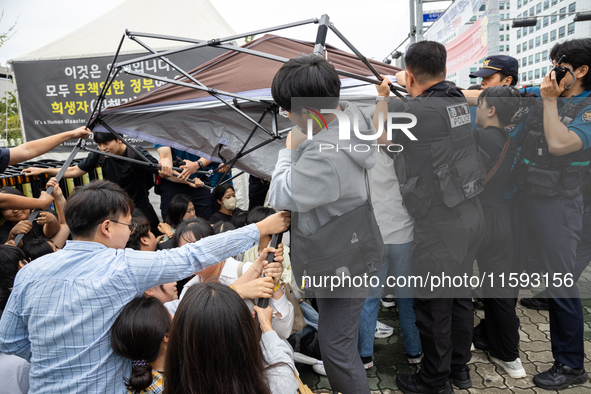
x=553, y=164
x=449, y=221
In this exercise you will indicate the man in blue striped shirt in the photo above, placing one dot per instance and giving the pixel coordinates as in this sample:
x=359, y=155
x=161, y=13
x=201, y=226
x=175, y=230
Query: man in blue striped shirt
x=63, y=304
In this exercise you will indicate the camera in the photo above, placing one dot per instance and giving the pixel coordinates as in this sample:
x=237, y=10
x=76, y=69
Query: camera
x=561, y=72
x=178, y=162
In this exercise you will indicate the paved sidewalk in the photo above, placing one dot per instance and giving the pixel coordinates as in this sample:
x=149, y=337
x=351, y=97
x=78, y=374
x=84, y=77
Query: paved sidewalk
x=487, y=378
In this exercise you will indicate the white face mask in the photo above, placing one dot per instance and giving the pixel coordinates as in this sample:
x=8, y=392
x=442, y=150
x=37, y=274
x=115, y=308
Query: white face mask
x=230, y=203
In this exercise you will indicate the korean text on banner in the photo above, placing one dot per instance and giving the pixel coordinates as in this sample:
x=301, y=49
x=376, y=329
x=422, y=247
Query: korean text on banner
x=469, y=47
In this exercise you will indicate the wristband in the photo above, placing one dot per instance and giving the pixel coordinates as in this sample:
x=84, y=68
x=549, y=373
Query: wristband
x=277, y=287
x=200, y=164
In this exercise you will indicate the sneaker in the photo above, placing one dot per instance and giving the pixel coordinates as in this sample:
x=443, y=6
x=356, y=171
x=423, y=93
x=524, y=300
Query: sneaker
x=560, y=376
x=479, y=338
x=513, y=368
x=461, y=378
x=539, y=302
x=389, y=301
x=414, y=359
x=367, y=362
x=412, y=384
x=383, y=330
x=319, y=369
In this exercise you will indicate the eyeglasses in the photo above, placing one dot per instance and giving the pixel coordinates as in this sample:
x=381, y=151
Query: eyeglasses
x=132, y=226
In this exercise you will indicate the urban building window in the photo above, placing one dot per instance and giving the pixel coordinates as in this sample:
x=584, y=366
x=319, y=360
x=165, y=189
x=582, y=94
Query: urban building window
x=538, y=73
x=501, y=26
x=518, y=48
x=571, y=28
x=553, y=17
x=524, y=62
x=502, y=6
x=502, y=37
x=553, y=35
x=531, y=60
x=561, y=32
x=508, y=6
x=501, y=48
x=482, y=8
x=531, y=11
x=539, y=24
x=507, y=48
x=572, y=7
x=531, y=43
x=524, y=2
x=524, y=76
x=519, y=4
x=544, y=71
x=531, y=29
x=525, y=31
x=546, y=20
x=538, y=57
x=518, y=34
x=545, y=56
x=538, y=41
x=507, y=27
x=562, y=13
x=554, y=2
x=546, y=4
x=530, y=74
x=502, y=16
x=545, y=38
x=538, y=8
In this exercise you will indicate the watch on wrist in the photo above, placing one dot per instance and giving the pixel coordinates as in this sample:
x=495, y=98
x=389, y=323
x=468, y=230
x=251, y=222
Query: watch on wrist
x=200, y=164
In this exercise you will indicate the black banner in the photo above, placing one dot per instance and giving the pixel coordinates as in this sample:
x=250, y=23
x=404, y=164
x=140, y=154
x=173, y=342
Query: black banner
x=59, y=95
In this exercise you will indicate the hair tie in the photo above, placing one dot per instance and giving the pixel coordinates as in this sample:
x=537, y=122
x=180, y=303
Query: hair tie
x=140, y=363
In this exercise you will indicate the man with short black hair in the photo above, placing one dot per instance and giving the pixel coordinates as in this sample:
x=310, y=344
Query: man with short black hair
x=64, y=303
x=135, y=179
x=449, y=222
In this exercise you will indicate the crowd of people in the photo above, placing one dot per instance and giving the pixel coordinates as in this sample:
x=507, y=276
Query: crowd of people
x=101, y=295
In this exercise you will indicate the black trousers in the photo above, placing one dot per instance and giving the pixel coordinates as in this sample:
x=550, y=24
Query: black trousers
x=495, y=256
x=446, y=241
x=257, y=191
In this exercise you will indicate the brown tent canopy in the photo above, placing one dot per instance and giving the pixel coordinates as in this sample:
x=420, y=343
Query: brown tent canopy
x=192, y=120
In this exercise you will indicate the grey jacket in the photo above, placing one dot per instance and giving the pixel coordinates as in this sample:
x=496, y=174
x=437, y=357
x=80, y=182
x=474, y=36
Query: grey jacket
x=280, y=377
x=319, y=182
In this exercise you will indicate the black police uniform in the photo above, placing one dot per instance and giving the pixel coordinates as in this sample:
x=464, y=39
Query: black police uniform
x=500, y=328
x=552, y=204
x=448, y=225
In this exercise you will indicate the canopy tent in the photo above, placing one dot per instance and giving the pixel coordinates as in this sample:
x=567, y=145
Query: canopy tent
x=215, y=120
x=181, y=116
x=59, y=83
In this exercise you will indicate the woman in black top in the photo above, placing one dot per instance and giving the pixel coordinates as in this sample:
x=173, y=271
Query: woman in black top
x=225, y=200
x=498, y=333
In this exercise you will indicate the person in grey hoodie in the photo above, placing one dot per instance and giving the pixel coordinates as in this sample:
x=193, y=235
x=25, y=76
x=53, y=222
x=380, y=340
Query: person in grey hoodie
x=318, y=178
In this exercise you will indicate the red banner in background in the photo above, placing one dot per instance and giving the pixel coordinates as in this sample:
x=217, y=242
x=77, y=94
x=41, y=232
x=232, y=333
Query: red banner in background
x=469, y=47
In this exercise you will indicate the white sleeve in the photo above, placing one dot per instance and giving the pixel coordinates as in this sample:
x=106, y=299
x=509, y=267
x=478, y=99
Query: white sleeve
x=282, y=325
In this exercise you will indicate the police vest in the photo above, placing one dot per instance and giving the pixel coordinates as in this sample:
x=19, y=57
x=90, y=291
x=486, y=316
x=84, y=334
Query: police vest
x=542, y=173
x=459, y=165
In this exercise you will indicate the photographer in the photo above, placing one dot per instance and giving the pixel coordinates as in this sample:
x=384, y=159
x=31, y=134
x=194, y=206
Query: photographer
x=553, y=167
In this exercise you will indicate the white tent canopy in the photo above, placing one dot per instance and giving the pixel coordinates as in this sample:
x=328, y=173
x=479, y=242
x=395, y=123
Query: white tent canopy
x=181, y=18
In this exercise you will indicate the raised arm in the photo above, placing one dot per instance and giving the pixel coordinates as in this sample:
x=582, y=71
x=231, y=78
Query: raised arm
x=61, y=237
x=381, y=112
x=71, y=172
x=11, y=201
x=38, y=147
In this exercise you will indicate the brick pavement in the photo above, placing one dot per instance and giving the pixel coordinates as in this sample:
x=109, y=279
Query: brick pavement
x=487, y=378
